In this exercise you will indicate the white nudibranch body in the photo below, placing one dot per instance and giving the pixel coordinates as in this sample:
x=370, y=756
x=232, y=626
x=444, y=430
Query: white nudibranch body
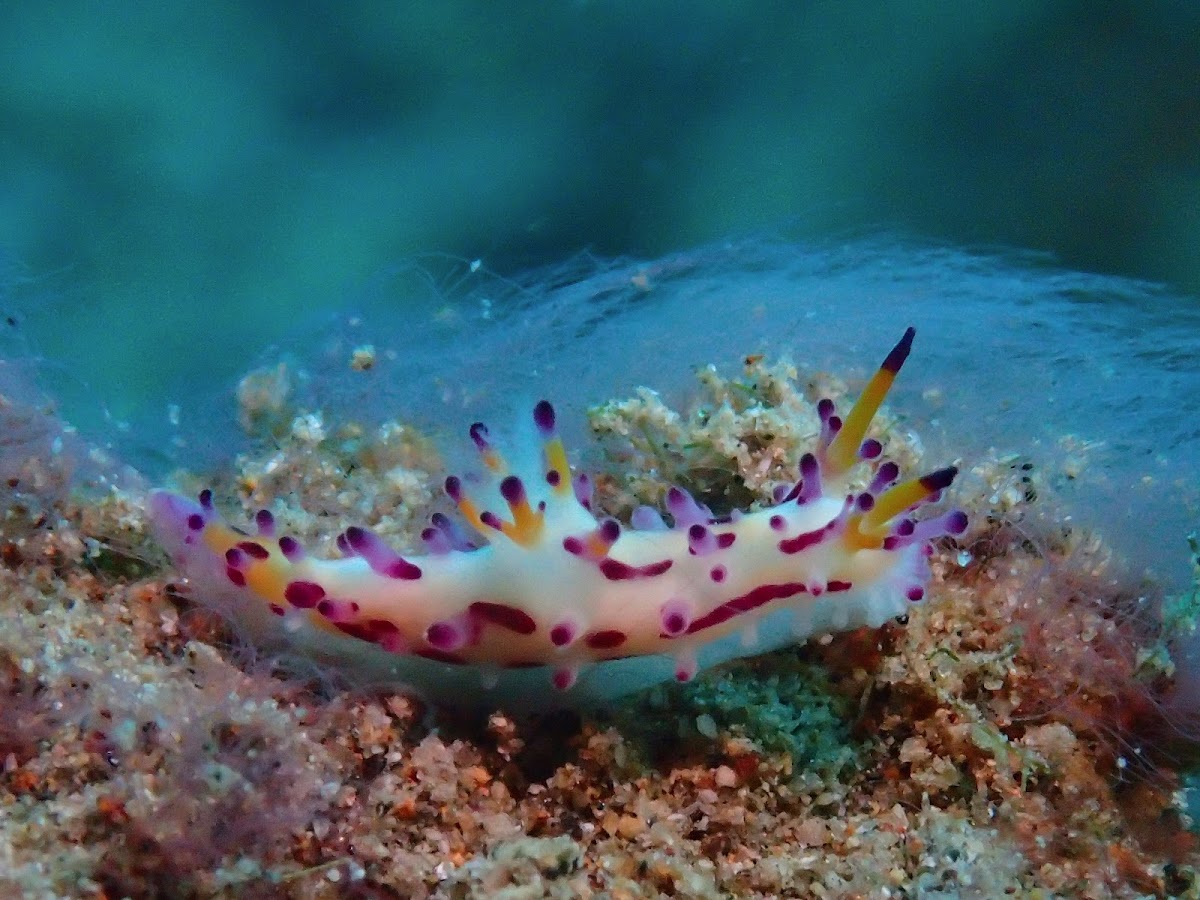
x=541, y=592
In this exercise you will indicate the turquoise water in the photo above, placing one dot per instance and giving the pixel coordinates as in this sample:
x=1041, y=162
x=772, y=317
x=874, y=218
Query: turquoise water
x=189, y=190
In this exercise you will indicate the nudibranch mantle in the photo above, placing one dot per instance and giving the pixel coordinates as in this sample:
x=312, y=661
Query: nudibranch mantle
x=540, y=589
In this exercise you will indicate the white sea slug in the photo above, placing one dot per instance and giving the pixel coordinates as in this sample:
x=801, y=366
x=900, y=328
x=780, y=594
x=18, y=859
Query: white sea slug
x=543, y=593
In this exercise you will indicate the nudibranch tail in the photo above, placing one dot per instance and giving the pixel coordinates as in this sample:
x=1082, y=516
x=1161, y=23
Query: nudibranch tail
x=548, y=584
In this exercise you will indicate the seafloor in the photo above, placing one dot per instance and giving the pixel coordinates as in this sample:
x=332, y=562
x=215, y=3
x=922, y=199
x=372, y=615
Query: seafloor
x=1022, y=734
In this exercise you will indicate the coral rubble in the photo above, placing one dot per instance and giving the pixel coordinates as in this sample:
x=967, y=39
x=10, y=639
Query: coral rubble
x=1020, y=734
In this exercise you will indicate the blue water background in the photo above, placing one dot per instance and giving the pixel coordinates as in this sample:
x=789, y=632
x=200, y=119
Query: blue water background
x=184, y=186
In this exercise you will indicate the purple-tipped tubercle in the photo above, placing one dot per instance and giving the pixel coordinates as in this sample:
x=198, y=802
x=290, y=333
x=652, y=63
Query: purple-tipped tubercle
x=647, y=518
x=884, y=476
x=543, y=418
x=265, y=523
x=436, y=541
x=609, y=531
x=453, y=531
x=479, y=434
x=685, y=510
x=291, y=549
x=564, y=678
x=676, y=616
x=582, y=486
x=810, y=479
x=382, y=559
x=446, y=636
x=512, y=490
x=701, y=541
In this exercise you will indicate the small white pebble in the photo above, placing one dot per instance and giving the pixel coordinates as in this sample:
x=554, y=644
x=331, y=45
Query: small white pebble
x=726, y=777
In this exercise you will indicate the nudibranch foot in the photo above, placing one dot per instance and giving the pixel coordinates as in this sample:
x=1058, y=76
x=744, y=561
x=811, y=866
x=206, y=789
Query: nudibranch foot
x=545, y=591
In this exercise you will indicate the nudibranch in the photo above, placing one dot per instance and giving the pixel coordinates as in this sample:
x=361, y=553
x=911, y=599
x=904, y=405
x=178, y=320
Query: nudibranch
x=537, y=589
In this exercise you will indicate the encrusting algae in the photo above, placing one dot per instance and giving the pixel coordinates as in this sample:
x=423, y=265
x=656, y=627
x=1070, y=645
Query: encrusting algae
x=1018, y=735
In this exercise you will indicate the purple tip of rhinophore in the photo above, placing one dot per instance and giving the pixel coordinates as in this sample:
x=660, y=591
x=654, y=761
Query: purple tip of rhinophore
x=573, y=545
x=886, y=474
x=291, y=549
x=610, y=530
x=235, y=558
x=563, y=633
x=864, y=502
x=343, y=545
x=780, y=492
x=543, y=418
x=454, y=488
x=582, y=485
x=479, y=434
x=512, y=490
x=206, y=498
x=265, y=522
x=956, y=521
x=869, y=449
x=491, y=520
x=195, y=522
x=446, y=636
x=900, y=352
x=825, y=409
x=939, y=480
x=647, y=518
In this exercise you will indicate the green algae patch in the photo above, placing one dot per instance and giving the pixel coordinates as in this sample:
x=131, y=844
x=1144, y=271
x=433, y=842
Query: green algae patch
x=781, y=704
